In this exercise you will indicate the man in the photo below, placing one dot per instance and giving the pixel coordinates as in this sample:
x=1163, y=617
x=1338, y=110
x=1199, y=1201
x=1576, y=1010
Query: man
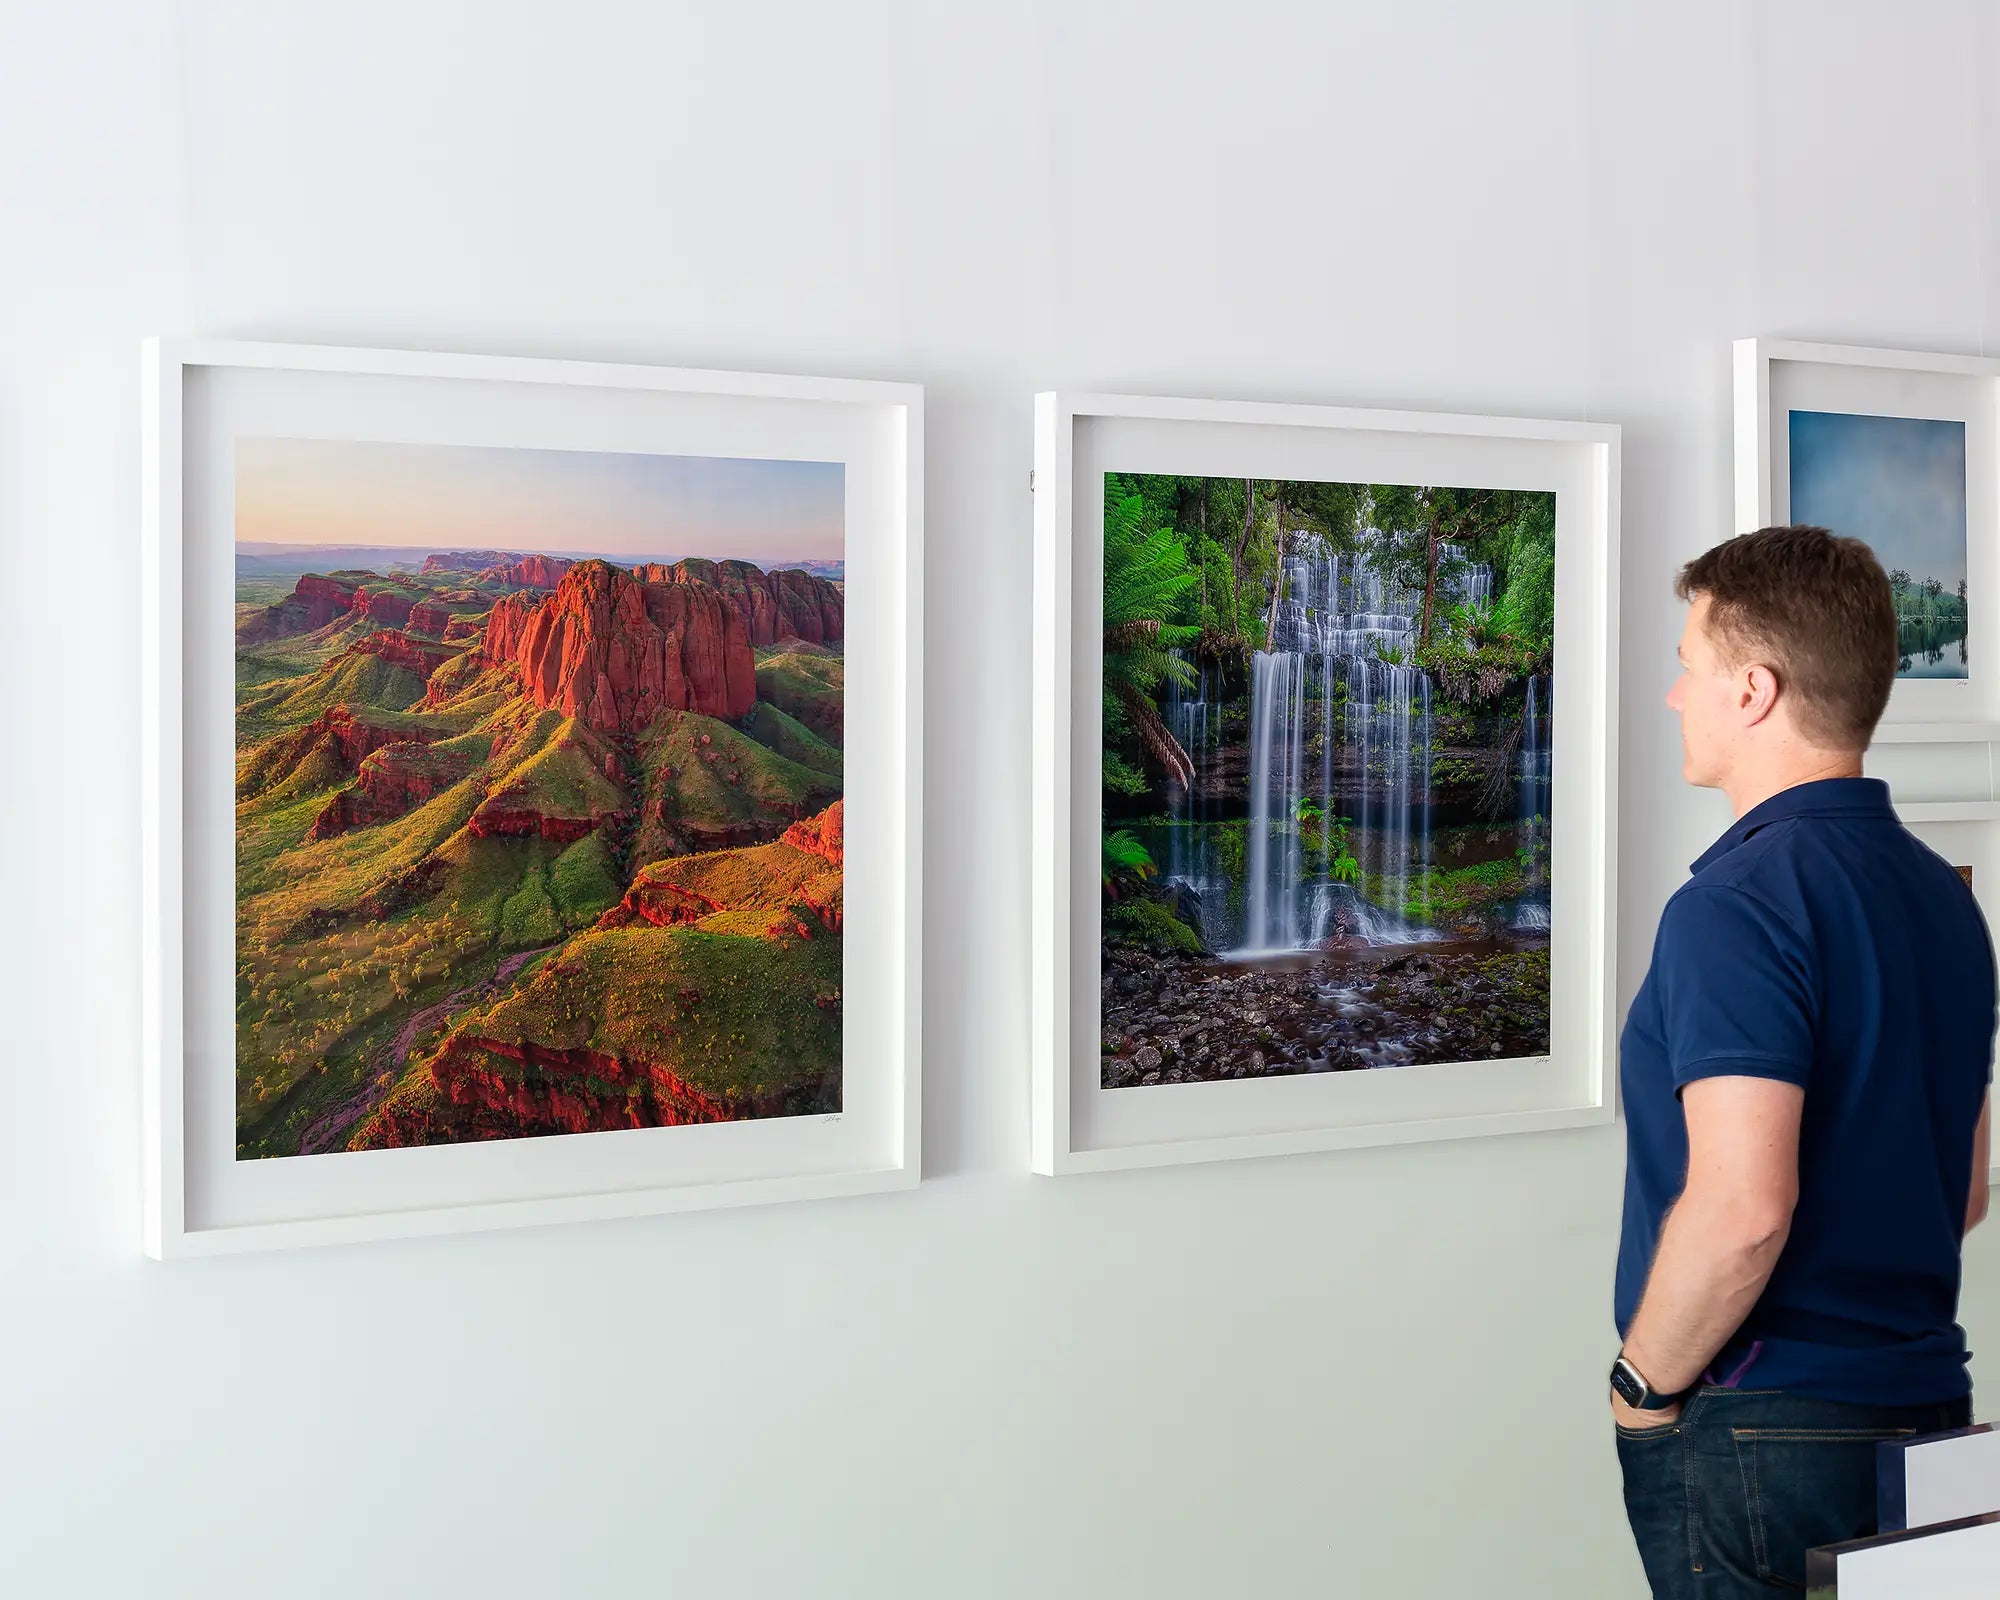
x=1805, y=1076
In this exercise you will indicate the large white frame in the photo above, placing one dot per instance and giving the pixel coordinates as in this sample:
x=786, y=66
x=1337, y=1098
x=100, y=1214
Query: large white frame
x=1077, y=1126
x=1774, y=376
x=192, y=1206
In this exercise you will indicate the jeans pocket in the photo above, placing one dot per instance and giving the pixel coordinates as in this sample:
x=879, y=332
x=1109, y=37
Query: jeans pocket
x=1806, y=1487
x=1653, y=1464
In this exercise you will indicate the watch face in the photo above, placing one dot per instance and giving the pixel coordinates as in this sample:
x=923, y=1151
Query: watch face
x=1627, y=1384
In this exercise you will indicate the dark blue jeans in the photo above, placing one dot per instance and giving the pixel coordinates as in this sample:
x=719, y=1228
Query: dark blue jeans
x=1728, y=1500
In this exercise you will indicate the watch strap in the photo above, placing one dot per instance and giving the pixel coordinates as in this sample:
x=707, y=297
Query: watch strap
x=1631, y=1386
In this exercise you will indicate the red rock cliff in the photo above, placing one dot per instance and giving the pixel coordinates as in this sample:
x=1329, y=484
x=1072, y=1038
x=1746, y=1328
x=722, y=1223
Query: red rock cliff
x=323, y=598
x=821, y=834
x=419, y=655
x=615, y=652
x=530, y=572
x=380, y=606
x=785, y=604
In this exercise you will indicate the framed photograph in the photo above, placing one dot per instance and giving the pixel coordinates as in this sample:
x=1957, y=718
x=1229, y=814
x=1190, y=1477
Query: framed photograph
x=1896, y=448
x=1324, y=758
x=511, y=727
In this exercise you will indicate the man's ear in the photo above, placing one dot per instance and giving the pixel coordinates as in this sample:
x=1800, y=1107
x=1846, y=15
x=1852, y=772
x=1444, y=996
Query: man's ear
x=1757, y=691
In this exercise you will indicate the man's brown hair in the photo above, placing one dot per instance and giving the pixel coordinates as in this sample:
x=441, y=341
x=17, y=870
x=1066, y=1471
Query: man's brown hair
x=1816, y=609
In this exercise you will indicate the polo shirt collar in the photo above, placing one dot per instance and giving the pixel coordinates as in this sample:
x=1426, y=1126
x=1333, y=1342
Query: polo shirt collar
x=1828, y=797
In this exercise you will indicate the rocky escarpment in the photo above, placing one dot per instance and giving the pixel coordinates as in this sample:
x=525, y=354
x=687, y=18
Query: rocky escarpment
x=788, y=889
x=821, y=834
x=496, y=819
x=421, y=656
x=500, y=1089
x=319, y=598
x=385, y=606
x=525, y=572
x=392, y=779
x=315, y=601
x=778, y=605
x=614, y=652
x=338, y=740
x=465, y=560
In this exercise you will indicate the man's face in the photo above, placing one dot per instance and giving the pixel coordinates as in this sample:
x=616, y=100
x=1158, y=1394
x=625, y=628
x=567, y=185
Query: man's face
x=1710, y=699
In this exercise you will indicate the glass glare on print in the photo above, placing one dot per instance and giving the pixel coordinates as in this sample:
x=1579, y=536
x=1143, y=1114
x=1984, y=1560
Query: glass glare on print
x=1327, y=766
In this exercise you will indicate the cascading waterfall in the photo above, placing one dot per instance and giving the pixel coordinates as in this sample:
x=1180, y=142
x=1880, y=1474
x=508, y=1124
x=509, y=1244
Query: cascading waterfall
x=1475, y=586
x=1536, y=791
x=1336, y=620
x=1194, y=720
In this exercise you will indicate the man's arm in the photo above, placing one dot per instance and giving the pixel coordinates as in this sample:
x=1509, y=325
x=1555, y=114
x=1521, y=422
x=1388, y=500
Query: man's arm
x=1722, y=1239
x=1982, y=1158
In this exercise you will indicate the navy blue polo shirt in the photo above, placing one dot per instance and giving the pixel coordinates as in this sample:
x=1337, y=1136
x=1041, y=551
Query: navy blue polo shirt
x=1819, y=943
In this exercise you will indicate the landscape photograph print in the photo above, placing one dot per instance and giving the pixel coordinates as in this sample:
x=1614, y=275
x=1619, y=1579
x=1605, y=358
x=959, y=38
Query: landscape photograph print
x=538, y=792
x=1898, y=485
x=1327, y=765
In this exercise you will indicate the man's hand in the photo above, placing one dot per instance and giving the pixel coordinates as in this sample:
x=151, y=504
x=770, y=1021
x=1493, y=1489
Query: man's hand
x=1631, y=1417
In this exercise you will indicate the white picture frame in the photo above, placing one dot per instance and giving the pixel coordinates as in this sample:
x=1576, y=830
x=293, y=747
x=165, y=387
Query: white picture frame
x=197, y=1199
x=1774, y=377
x=1076, y=1127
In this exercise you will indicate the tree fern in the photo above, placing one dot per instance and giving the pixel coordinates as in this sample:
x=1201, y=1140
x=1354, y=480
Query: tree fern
x=1125, y=856
x=1146, y=580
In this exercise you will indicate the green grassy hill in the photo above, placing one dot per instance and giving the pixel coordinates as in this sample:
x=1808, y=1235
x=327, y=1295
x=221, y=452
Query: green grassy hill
x=807, y=683
x=783, y=733
x=709, y=785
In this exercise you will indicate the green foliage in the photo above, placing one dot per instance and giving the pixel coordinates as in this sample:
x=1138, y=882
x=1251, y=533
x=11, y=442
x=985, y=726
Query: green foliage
x=1526, y=574
x=706, y=782
x=362, y=680
x=1144, y=921
x=528, y=917
x=1472, y=662
x=1121, y=776
x=1232, y=847
x=1146, y=582
x=1448, y=896
x=779, y=731
x=583, y=881
x=1926, y=601
x=566, y=777
x=1126, y=858
x=809, y=686
x=751, y=1022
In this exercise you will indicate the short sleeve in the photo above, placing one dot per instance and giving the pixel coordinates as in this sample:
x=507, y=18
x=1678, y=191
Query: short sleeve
x=1738, y=993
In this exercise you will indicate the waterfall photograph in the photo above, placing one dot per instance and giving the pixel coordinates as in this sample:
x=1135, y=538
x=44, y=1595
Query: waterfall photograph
x=1327, y=763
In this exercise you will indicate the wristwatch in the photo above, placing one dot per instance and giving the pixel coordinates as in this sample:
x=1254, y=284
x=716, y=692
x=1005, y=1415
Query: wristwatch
x=1631, y=1386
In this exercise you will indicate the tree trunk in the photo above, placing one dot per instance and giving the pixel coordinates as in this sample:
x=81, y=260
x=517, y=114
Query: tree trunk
x=1237, y=553
x=1277, y=588
x=1430, y=583
x=1158, y=739
x=1207, y=485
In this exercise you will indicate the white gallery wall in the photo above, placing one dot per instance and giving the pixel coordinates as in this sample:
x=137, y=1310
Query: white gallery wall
x=1376, y=1373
